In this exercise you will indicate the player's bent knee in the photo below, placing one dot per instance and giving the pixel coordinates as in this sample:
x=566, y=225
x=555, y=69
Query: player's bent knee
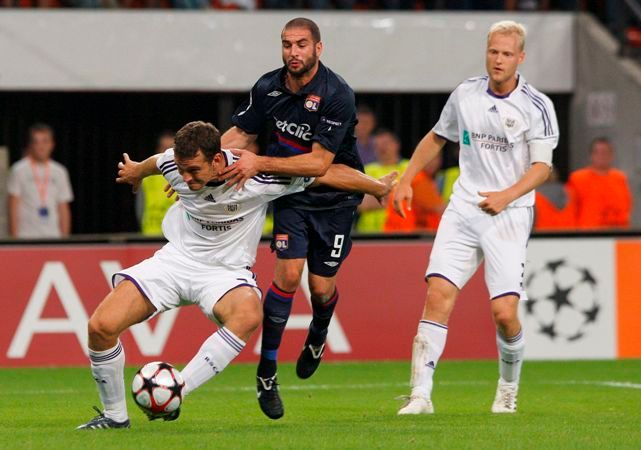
x=242, y=313
x=321, y=288
x=250, y=314
x=505, y=318
x=288, y=280
x=288, y=275
x=321, y=295
x=439, y=299
x=102, y=331
x=245, y=322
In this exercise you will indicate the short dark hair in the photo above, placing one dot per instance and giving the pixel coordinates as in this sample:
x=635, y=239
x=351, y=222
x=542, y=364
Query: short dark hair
x=383, y=131
x=364, y=109
x=40, y=127
x=166, y=134
x=303, y=22
x=603, y=139
x=197, y=136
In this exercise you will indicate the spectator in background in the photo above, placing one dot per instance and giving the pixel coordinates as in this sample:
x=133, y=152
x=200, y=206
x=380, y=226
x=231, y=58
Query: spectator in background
x=364, y=134
x=555, y=207
x=427, y=204
x=39, y=190
x=602, y=195
x=387, y=148
x=152, y=202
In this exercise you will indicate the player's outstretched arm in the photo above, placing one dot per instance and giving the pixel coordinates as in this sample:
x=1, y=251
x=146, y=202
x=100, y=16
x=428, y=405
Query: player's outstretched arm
x=312, y=164
x=133, y=172
x=236, y=138
x=425, y=151
x=344, y=178
x=495, y=202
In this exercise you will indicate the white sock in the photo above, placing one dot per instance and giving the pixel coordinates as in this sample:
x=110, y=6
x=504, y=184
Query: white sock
x=426, y=351
x=214, y=355
x=510, y=356
x=107, y=368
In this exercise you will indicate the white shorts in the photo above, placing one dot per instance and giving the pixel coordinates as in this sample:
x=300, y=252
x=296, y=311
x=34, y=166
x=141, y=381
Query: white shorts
x=466, y=235
x=169, y=280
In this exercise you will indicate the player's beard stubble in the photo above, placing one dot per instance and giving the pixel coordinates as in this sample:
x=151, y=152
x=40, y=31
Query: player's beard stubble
x=305, y=65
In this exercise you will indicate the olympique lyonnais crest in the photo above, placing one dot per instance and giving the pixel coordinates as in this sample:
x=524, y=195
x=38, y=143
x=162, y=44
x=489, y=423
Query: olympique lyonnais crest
x=312, y=102
x=281, y=242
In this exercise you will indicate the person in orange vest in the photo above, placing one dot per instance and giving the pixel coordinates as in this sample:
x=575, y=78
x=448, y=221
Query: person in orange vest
x=427, y=204
x=152, y=202
x=555, y=206
x=387, y=147
x=601, y=193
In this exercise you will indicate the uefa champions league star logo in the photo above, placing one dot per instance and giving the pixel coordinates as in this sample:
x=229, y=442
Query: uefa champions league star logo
x=562, y=300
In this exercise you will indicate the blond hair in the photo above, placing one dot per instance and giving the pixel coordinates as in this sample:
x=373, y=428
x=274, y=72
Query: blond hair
x=508, y=27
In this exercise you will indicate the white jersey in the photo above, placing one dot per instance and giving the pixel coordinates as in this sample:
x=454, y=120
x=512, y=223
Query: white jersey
x=493, y=134
x=217, y=224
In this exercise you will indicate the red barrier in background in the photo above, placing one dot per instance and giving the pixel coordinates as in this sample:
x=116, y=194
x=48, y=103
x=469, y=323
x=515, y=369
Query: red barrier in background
x=381, y=285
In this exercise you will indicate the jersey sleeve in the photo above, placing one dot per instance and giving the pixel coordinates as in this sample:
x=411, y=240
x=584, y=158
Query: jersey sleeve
x=270, y=187
x=168, y=168
x=250, y=115
x=65, y=194
x=544, y=128
x=13, y=184
x=447, y=125
x=335, y=121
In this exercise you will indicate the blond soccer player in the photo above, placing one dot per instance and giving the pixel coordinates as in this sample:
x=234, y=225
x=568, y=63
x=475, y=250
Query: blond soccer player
x=507, y=131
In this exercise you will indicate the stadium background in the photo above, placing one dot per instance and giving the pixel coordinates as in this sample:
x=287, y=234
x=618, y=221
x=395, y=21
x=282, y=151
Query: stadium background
x=108, y=82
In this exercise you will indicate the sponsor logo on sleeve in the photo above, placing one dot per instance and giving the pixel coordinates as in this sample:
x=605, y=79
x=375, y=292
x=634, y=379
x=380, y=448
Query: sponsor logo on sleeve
x=335, y=123
x=274, y=94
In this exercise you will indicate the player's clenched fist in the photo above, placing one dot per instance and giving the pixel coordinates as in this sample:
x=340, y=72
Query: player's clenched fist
x=129, y=172
x=494, y=202
x=388, y=181
x=402, y=195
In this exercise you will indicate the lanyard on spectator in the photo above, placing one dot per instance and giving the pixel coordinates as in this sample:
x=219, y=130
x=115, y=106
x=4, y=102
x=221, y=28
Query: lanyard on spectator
x=41, y=184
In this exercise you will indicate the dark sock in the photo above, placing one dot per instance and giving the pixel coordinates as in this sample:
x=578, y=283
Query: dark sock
x=323, y=313
x=276, y=310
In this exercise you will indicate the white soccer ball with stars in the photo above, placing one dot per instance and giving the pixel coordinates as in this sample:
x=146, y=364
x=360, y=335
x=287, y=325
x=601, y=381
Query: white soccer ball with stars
x=562, y=300
x=157, y=389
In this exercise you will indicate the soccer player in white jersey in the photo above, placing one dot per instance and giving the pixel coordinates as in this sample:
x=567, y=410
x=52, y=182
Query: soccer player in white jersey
x=507, y=131
x=213, y=233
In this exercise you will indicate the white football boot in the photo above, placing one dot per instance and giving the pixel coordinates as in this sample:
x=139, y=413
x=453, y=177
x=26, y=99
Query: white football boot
x=505, y=400
x=416, y=405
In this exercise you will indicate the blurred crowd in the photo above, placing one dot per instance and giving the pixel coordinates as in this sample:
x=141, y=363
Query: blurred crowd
x=486, y=5
x=616, y=15
x=594, y=197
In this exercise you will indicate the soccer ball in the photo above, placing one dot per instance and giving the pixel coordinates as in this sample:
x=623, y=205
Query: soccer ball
x=562, y=300
x=157, y=389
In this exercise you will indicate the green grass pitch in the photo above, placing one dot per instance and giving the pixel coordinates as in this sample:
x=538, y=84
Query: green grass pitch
x=562, y=405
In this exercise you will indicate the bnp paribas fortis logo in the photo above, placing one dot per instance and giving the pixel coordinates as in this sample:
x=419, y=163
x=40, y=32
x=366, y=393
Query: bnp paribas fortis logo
x=466, y=137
